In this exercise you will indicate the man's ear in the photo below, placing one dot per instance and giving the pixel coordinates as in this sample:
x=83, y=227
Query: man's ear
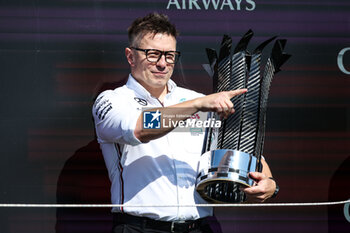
x=130, y=56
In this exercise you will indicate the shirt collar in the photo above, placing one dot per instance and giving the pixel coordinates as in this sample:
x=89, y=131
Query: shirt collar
x=139, y=89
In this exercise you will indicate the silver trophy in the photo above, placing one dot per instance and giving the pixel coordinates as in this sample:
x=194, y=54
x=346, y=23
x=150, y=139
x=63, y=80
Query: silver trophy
x=232, y=151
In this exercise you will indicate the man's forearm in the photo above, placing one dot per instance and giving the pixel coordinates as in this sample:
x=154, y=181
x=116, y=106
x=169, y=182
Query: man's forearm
x=217, y=102
x=266, y=169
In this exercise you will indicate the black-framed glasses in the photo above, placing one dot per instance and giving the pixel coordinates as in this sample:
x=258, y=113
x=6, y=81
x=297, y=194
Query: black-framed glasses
x=154, y=55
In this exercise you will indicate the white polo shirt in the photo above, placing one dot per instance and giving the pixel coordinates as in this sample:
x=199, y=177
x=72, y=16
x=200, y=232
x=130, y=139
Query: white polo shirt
x=160, y=172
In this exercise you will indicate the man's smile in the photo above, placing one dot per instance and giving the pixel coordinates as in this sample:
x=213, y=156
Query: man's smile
x=159, y=73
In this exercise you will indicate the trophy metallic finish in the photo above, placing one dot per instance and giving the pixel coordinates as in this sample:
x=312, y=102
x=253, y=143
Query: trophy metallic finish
x=232, y=151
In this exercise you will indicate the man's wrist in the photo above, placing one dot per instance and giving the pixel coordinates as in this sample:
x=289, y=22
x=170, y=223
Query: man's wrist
x=277, y=189
x=196, y=103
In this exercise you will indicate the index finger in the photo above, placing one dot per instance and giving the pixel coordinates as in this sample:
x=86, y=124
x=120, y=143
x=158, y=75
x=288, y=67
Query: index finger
x=234, y=93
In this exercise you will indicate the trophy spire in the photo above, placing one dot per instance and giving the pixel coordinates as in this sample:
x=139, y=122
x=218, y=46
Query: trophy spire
x=235, y=149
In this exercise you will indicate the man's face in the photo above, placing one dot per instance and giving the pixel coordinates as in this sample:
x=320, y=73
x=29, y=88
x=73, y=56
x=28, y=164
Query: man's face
x=152, y=75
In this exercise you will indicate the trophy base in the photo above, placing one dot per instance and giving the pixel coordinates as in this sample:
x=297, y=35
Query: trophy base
x=222, y=173
x=221, y=192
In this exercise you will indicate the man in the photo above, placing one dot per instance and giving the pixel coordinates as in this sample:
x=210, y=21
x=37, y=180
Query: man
x=158, y=167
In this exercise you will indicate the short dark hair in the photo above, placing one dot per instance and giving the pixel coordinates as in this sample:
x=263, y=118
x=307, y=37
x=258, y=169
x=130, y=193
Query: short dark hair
x=152, y=23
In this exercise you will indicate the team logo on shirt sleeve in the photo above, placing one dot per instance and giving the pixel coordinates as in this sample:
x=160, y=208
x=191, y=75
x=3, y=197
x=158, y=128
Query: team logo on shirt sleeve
x=151, y=119
x=102, y=106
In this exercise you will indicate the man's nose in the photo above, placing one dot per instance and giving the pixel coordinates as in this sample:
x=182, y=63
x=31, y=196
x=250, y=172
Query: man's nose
x=161, y=62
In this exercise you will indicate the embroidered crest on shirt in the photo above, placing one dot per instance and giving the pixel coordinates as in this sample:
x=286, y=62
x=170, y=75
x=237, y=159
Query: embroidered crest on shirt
x=142, y=102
